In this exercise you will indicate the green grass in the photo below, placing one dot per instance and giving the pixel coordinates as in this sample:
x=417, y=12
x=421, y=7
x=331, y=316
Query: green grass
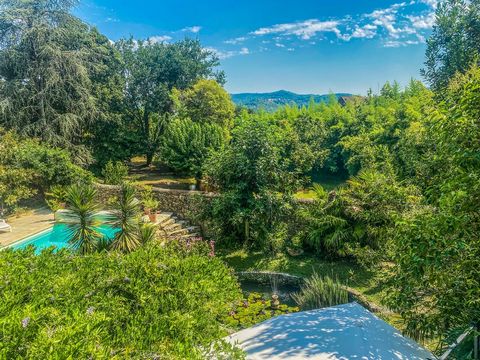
x=328, y=181
x=346, y=272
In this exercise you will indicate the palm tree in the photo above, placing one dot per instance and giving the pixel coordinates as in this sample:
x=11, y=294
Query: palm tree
x=327, y=228
x=125, y=217
x=82, y=218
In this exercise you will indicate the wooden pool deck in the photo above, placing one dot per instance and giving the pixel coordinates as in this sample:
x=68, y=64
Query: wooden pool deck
x=34, y=221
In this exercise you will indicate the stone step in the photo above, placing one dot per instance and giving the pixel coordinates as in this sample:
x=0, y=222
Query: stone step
x=167, y=222
x=173, y=226
x=188, y=236
x=165, y=215
x=181, y=231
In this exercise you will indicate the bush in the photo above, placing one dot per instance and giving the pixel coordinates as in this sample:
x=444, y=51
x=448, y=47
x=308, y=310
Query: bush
x=52, y=166
x=153, y=303
x=114, y=172
x=319, y=292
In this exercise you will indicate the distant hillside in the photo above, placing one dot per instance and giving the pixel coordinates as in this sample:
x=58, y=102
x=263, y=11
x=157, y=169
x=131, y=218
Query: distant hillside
x=271, y=101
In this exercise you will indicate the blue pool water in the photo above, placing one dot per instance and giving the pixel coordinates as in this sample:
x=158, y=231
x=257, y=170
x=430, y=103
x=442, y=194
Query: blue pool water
x=57, y=236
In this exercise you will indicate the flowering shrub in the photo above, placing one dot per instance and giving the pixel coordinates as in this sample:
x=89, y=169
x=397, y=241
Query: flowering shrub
x=154, y=303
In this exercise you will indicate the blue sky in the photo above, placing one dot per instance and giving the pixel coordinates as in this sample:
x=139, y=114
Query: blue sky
x=306, y=46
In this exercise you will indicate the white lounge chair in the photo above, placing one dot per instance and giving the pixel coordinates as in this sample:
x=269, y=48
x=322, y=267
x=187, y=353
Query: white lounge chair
x=4, y=226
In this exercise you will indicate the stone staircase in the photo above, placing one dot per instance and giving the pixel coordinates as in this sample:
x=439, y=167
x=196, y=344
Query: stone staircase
x=171, y=227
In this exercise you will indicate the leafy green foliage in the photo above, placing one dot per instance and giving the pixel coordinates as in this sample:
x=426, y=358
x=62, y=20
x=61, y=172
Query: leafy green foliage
x=187, y=145
x=56, y=197
x=319, y=292
x=27, y=166
x=46, y=88
x=435, y=281
x=14, y=181
x=155, y=302
x=206, y=102
x=152, y=71
x=454, y=44
x=114, y=173
x=51, y=166
x=358, y=219
x=256, y=176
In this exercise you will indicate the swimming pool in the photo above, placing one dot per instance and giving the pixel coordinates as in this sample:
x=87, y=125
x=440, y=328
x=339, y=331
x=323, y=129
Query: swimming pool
x=57, y=236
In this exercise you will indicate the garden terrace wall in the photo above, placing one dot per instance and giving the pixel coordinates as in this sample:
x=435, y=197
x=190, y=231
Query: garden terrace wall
x=182, y=203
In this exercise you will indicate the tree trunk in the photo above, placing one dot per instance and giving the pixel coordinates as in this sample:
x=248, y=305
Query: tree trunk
x=149, y=156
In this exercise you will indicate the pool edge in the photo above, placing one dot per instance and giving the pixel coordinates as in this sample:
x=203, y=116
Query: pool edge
x=26, y=238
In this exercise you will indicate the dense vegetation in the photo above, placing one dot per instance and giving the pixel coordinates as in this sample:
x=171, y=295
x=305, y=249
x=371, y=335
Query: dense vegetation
x=154, y=303
x=71, y=102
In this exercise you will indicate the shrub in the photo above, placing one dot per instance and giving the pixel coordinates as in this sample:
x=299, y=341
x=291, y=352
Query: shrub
x=114, y=172
x=319, y=292
x=156, y=302
x=52, y=166
x=56, y=197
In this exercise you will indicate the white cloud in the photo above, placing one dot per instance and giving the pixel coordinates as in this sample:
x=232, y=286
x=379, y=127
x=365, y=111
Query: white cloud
x=192, y=29
x=228, y=54
x=432, y=3
x=159, y=39
x=401, y=24
x=305, y=29
x=422, y=21
x=399, y=43
x=368, y=31
x=237, y=40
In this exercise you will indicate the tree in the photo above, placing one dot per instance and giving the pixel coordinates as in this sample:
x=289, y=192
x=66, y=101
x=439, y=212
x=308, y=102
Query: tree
x=151, y=71
x=82, y=218
x=45, y=88
x=455, y=42
x=256, y=176
x=206, y=102
x=115, y=173
x=187, y=145
x=434, y=283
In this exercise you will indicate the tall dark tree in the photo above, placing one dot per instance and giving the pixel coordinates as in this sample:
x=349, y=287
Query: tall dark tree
x=151, y=71
x=45, y=85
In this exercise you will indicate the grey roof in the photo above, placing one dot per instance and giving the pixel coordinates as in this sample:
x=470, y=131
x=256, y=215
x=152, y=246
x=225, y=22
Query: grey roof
x=341, y=332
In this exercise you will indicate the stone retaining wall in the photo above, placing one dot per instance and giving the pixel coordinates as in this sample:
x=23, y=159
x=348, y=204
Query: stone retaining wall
x=183, y=203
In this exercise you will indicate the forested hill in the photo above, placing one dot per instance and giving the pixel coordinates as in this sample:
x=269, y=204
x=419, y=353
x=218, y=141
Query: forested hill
x=271, y=101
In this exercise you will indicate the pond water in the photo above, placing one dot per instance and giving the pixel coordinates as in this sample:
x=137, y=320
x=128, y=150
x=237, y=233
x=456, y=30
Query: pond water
x=284, y=291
